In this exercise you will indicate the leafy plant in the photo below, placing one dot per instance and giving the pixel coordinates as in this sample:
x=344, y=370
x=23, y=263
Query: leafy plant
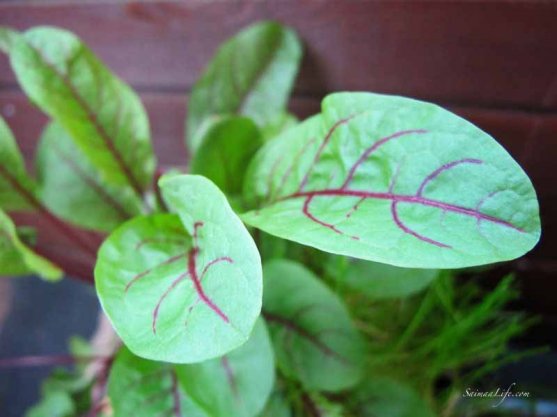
x=203, y=317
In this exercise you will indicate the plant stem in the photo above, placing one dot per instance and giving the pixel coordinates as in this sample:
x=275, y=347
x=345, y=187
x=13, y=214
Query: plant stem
x=67, y=230
x=48, y=360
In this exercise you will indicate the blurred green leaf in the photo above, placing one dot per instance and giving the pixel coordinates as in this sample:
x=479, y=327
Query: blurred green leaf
x=103, y=115
x=251, y=75
x=17, y=259
x=237, y=384
x=226, y=149
x=17, y=189
x=73, y=189
x=315, y=340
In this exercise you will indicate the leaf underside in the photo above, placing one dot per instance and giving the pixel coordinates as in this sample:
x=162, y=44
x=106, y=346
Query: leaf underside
x=396, y=181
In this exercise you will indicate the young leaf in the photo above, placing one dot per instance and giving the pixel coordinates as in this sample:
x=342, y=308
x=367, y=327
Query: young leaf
x=314, y=338
x=143, y=388
x=17, y=189
x=251, y=75
x=182, y=288
x=17, y=259
x=103, y=116
x=228, y=145
x=396, y=181
x=237, y=384
x=387, y=397
x=278, y=125
x=379, y=281
x=71, y=187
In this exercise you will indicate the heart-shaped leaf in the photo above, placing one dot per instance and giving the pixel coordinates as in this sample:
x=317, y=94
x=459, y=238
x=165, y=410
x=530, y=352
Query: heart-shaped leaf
x=251, y=75
x=17, y=189
x=182, y=288
x=226, y=149
x=72, y=188
x=315, y=340
x=17, y=259
x=103, y=116
x=394, y=180
x=237, y=384
x=142, y=388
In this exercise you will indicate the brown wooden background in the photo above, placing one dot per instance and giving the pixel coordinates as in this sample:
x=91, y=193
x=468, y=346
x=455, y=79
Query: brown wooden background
x=494, y=62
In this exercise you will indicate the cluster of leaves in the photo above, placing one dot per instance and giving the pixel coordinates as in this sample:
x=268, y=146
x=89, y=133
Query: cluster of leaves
x=205, y=322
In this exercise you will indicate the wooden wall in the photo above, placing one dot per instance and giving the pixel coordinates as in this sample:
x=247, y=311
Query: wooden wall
x=494, y=62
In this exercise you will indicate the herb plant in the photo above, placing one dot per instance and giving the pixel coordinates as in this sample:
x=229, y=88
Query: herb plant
x=285, y=273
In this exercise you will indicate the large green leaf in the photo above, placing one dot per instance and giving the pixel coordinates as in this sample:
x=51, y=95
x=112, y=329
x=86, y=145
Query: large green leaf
x=314, y=338
x=17, y=259
x=103, y=116
x=226, y=149
x=72, y=188
x=17, y=189
x=387, y=397
x=394, y=180
x=142, y=388
x=380, y=281
x=237, y=384
x=182, y=288
x=251, y=75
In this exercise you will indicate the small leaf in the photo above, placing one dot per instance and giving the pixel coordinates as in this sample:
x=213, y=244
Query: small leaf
x=7, y=38
x=387, y=397
x=251, y=75
x=380, y=281
x=53, y=404
x=237, y=384
x=17, y=189
x=17, y=259
x=182, y=288
x=393, y=180
x=314, y=338
x=143, y=388
x=103, y=116
x=228, y=145
x=71, y=187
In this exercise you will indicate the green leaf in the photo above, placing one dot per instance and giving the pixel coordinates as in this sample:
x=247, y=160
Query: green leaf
x=142, y=388
x=17, y=259
x=182, y=288
x=228, y=145
x=380, y=281
x=103, y=116
x=7, y=38
x=278, y=125
x=17, y=189
x=72, y=188
x=277, y=406
x=53, y=404
x=393, y=180
x=251, y=75
x=386, y=397
x=237, y=384
x=63, y=394
x=315, y=340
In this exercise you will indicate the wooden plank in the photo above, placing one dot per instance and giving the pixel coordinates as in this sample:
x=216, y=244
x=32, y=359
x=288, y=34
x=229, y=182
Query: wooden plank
x=495, y=53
